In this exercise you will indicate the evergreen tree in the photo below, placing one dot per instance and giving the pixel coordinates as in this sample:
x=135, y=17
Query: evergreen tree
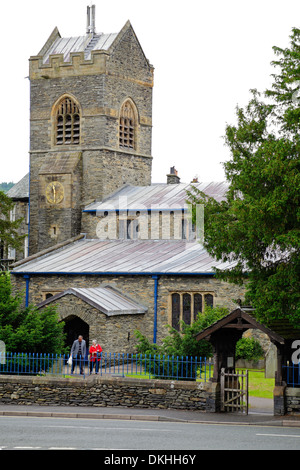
x=257, y=225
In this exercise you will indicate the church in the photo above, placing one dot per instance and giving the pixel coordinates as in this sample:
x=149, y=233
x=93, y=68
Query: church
x=111, y=250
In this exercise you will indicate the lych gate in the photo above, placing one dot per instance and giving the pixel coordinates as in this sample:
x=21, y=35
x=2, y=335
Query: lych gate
x=223, y=335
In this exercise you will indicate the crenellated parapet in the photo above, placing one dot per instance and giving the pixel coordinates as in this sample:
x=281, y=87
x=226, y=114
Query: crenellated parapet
x=78, y=65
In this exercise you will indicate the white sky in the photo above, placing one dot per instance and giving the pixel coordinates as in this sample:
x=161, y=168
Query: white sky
x=207, y=56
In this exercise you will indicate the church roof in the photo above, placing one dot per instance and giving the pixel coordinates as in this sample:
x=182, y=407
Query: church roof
x=106, y=299
x=84, y=44
x=86, y=256
x=20, y=190
x=157, y=196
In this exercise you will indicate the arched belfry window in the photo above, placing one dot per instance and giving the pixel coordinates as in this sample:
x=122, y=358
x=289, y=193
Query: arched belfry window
x=127, y=126
x=67, y=122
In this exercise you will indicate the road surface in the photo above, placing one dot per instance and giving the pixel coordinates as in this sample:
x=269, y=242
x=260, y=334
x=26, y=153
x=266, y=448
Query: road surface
x=33, y=433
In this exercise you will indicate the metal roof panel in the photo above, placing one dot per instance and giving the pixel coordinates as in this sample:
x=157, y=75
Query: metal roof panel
x=125, y=256
x=106, y=299
x=86, y=44
x=156, y=196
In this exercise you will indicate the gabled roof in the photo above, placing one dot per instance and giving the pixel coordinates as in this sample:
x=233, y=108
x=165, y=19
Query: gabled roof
x=123, y=257
x=20, y=190
x=157, y=196
x=240, y=320
x=85, y=44
x=106, y=299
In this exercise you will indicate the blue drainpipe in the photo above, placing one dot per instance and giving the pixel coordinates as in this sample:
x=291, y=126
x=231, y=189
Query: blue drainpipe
x=155, y=307
x=27, y=280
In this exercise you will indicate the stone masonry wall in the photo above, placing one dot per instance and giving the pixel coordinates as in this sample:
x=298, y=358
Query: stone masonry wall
x=102, y=392
x=99, y=86
x=292, y=400
x=113, y=331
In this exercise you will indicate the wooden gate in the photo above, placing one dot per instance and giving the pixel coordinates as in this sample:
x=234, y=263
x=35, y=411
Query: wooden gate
x=234, y=391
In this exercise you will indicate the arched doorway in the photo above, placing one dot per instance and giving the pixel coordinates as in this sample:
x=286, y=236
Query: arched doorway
x=74, y=327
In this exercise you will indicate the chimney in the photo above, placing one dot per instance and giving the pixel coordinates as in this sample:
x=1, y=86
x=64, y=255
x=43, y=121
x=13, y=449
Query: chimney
x=172, y=177
x=91, y=19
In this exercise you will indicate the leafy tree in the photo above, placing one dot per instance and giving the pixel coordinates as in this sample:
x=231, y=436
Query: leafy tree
x=184, y=343
x=180, y=344
x=257, y=225
x=9, y=235
x=6, y=186
x=27, y=329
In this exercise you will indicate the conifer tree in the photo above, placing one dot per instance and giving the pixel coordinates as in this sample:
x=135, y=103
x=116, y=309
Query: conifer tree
x=257, y=225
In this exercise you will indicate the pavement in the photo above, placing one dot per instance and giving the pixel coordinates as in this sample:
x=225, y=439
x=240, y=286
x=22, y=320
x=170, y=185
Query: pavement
x=260, y=413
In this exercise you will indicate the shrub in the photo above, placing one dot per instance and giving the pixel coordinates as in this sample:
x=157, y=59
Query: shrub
x=184, y=343
x=27, y=329
x=249, y=349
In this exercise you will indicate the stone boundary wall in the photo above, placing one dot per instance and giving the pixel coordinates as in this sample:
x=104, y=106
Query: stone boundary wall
x=286, y=400
x=292, y=400
x=106, y=391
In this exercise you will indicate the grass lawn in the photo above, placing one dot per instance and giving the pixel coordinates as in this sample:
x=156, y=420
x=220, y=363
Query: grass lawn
x=259, y=386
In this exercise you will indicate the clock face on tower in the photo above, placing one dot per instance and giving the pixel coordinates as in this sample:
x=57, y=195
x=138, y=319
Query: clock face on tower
x=54, y=192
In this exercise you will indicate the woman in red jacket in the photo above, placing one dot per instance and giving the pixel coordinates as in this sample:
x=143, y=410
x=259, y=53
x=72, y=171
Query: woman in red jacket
x=95, y=356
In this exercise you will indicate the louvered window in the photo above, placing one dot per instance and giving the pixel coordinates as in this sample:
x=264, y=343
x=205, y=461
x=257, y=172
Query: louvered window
x=67, y=123
x=127, y=126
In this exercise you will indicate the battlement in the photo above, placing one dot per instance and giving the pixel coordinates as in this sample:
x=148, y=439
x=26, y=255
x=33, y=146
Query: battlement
x=93, y=54
x=78, y=64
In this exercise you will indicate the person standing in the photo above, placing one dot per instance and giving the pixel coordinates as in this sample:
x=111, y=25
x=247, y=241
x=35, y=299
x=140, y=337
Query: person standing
x=78, y=352
x=95, y=356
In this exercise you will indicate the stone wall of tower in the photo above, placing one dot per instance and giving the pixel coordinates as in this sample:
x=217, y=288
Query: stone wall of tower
x=100, y=86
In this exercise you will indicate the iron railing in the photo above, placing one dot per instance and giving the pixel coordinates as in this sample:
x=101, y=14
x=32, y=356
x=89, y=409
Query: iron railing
x=120, y=364
x=291, y=374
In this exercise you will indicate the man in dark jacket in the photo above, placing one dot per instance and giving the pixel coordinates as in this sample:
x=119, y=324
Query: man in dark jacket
x=78, y=352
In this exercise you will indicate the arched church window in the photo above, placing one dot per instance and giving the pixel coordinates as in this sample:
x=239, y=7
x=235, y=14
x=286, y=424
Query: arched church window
x=127, y=126
x=186, y=308
x=187, y=305
x=67, y=122
x=197, y=305
x=176, y=311
x=209, y=300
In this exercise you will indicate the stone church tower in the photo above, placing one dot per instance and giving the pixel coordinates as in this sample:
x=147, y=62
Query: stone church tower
x=90, y=127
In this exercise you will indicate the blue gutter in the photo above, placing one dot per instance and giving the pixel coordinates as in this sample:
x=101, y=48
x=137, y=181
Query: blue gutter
x=168, y=209
x=27, y=280
x=108, y=273
x=155, y=277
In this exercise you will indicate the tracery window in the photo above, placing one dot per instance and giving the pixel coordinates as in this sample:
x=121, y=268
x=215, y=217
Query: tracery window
x=127, y=126
x=67, y=123
x=185, y=306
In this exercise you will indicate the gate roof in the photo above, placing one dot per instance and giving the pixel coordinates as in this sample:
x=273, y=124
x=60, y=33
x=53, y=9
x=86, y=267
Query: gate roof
x=238, y=319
